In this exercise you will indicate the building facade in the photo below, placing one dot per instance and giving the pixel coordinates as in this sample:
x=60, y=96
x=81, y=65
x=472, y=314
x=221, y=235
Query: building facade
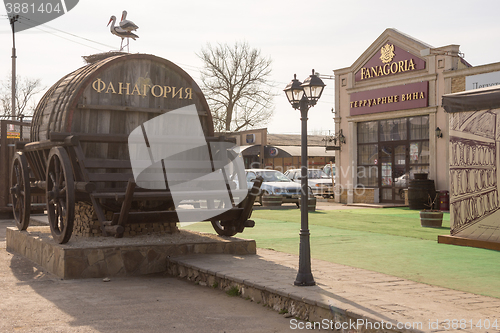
x=388, y=106
x=281, y=152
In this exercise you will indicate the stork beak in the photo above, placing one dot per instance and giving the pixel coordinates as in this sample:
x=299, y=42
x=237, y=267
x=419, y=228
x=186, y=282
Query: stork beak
x=109, y=22
x=121, y=18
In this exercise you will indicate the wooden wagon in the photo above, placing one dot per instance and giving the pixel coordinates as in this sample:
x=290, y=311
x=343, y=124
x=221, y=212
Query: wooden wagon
x=78, y=151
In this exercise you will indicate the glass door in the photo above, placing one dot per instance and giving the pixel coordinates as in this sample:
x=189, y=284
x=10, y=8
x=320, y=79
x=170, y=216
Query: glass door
x=393, y=171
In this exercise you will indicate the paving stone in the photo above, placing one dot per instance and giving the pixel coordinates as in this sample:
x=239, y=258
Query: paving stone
x=354, y=293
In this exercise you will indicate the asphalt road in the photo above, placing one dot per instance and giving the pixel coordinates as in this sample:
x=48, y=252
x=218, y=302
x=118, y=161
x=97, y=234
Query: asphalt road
x=32, y=300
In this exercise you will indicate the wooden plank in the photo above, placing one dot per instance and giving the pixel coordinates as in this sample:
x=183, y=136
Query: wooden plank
x=461, y=241
x=120, y=195
x=171, y=216
x=96, y=163
x=100, y=214
x=38, y=145
x=91, y=137
x=127, y=202
x=247, y=204
x=128, y=108
x=109, y=177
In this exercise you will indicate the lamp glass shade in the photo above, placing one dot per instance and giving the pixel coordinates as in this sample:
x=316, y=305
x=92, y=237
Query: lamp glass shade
x=294, y=91
x=313, y=87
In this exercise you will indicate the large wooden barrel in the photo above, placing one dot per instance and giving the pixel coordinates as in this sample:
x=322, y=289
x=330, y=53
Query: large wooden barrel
x=114, y=96
x=420, y=190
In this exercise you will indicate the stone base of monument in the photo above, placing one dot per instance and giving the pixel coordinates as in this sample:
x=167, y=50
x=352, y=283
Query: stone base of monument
x=98, y=257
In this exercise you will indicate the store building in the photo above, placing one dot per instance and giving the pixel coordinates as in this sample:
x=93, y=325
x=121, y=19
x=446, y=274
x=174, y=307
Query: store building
x=388, y=107
x=280, y=152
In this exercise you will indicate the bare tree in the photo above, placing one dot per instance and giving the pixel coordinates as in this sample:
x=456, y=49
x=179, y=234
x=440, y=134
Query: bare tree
x=235, y=80
x=26, y=89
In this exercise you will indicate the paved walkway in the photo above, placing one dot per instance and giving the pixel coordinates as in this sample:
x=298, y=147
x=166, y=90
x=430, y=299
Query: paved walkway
x=32, y=300
x=357, y=292
x=366, y=294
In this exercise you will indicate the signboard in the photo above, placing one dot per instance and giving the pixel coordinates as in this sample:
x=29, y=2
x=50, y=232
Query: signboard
x=250, y=138
x=414, y=152
x=408, y=96
x=482, y=80
x=390, y=60
x=273, y=152
x=13, y=135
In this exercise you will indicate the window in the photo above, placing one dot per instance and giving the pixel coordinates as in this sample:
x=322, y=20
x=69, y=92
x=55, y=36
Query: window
x=419, y=128
x=411, y=149
x=419, y=145
x=367, y=173
x=393, y=129
x=367, y=132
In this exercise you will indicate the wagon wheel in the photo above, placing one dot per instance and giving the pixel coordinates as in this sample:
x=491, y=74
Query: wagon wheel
x=20, y=192
x=224, y=228
x=60, y=192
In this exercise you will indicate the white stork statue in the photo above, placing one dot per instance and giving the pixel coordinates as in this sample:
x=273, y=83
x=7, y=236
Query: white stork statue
x=121, y=32
x=126, y=24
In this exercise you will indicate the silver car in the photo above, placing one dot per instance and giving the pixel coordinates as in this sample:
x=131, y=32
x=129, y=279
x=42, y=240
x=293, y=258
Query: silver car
x=318, y=181
x=275, y=183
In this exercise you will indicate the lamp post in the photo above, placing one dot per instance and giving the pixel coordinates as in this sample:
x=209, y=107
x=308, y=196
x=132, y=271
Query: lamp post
x=302, y=96
x=13, y=20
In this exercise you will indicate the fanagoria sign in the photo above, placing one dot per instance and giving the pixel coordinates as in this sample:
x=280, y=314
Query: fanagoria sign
x=390, y=60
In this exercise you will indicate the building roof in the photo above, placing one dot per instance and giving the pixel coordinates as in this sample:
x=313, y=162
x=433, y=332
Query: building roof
x=472, y=100
x=311, y=151
x=294, y=140
x=286, y=151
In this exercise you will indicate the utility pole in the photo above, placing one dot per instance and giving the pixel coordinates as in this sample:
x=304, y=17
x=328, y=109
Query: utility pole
x=13, y=19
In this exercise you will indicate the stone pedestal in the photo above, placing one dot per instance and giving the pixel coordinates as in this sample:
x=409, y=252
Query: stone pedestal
x=97, y=257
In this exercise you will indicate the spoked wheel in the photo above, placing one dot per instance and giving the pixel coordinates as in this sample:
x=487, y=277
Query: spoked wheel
x=20, y=192
x=60, y=192
x=223, y=228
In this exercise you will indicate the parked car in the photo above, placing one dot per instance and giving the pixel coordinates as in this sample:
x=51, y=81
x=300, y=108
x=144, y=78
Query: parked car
x=275, y=183
x=318, y=181
x=401, y=181
x=329, y=169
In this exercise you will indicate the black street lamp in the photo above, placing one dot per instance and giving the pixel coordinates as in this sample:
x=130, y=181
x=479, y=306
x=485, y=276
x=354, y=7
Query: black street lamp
x=302, y=96
x=12, y=20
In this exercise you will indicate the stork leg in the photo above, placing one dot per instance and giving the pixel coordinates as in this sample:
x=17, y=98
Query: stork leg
x=121, y=47
x=126, y=45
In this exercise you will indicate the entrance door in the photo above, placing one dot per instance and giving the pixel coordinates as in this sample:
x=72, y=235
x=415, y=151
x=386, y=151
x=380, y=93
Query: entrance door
x=393, y=171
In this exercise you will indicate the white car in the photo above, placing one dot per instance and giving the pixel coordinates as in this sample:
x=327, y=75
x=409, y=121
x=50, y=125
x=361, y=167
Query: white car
x=275, y=183
x=318, y=181
x=328, y=169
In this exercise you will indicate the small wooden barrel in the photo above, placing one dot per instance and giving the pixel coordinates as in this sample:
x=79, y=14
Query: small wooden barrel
x=431, y=219
x=272, y=200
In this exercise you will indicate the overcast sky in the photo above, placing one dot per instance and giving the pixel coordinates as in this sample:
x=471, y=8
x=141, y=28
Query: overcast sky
x=297, y=35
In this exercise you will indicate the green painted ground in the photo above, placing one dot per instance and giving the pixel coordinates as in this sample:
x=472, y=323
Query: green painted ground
x=388, y=240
